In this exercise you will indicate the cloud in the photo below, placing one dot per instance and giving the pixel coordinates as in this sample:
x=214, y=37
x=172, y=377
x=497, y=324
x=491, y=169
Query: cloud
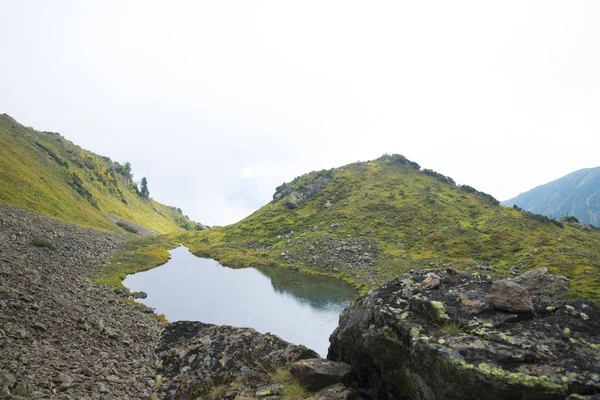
x=218, y=103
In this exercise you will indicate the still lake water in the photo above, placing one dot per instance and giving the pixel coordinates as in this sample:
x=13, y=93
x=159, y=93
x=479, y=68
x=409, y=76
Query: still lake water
x=300, y=308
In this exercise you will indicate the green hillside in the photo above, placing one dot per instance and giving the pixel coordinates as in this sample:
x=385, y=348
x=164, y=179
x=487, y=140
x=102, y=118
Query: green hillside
x=47, y=174
x=369, y=222
x=576, y=194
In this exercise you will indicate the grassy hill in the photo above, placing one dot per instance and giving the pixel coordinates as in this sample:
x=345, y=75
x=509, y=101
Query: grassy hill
x=47, y=174
x=576, y=194
x=368, y=222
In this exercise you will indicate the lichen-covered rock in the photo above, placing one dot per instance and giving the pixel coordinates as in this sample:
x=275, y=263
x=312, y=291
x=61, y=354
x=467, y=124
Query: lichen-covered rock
x=451, y=343
x=338, y=391
x=316, y=373
x=195, y=359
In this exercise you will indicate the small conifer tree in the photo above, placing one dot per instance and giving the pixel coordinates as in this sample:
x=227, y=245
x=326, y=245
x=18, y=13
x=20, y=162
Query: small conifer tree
x=144, y=193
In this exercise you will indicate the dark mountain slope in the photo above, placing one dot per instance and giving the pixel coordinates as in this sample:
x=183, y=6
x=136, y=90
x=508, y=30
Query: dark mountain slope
x=47, y=174
x=576, y=194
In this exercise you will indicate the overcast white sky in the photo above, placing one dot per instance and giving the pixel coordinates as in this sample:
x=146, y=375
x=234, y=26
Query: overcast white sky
x=218, y=102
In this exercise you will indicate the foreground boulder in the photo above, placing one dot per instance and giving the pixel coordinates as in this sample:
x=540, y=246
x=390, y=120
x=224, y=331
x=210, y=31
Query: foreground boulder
x=316, y=373
x=198, y=360
x=456, y=341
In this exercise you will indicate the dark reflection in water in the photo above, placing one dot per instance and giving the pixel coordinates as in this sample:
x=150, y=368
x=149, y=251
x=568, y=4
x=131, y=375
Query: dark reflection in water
x=314, y=291
x=301, y=308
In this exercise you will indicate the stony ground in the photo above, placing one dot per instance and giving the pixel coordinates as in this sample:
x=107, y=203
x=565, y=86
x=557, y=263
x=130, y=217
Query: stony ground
x=62, y=337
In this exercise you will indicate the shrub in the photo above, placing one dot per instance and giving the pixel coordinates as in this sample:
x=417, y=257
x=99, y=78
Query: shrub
x=543, y=218
x=439, y=176
x=569, y=218
x=470, y=189
x=399, y=159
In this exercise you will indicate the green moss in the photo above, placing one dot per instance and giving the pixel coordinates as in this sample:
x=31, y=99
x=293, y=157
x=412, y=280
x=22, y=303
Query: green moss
x=438, y=305
x=518, y=378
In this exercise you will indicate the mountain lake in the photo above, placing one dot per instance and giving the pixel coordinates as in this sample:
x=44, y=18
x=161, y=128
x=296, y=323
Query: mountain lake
x=300, y=308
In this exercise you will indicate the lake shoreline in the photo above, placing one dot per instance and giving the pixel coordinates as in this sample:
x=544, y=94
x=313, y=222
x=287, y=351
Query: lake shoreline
x=295, y=306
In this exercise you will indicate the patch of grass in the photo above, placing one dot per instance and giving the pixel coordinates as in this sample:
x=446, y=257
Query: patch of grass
x=292, y=390
x=127, y=227
x=40, y=242
x=450, y=327
x=217, y=392
x=162, y=319
x=139, y=254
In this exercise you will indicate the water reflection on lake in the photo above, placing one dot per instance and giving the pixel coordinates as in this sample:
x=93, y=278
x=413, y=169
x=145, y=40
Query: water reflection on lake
x=300, y=308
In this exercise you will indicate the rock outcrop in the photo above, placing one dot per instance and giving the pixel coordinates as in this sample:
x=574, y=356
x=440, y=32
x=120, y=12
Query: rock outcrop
x=455, y=340
x=196, y=359
x=299, y=196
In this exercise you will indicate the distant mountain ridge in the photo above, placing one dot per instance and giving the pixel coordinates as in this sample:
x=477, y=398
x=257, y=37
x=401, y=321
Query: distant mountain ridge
x=576, y=194
x=47, y=174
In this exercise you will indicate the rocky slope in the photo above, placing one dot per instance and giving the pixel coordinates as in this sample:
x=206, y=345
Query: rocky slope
x=576, y=194
x=60, y=336
x=449, y=335
x=46, y=173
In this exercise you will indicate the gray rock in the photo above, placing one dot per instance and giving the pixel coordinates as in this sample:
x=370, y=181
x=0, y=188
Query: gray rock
x=271, y=390
x=548, y=290
x=193, y=356
x=337, y=391
x=317, y=373
x=432, y=281
x=297, y=197
x=510, y=296
x=40, y=327
x=139, y=295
